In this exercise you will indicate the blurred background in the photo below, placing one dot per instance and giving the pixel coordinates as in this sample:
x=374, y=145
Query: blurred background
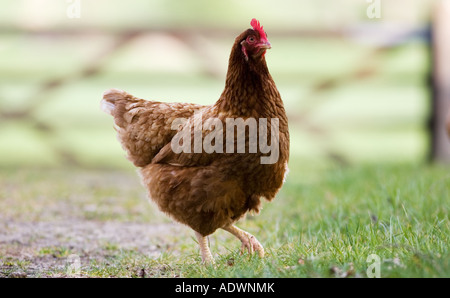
x=366, y=85
x=354, y=74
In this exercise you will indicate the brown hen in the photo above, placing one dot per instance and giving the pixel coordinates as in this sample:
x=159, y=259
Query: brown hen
x=207, y=176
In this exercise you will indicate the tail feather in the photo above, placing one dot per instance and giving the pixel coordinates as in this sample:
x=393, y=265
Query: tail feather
x=110, y=96
x=143, y=127
x=107, y=107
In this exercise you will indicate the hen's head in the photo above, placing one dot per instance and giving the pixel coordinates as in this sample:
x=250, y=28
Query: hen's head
x=254, y=41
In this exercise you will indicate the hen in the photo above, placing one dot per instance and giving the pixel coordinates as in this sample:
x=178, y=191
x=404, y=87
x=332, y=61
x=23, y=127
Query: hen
x=195, y=167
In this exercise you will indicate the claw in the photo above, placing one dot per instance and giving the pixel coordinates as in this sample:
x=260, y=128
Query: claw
x=254, y=245
x=249, y=241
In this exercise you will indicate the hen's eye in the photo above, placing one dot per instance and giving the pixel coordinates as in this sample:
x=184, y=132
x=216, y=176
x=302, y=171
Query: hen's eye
x=251, y=39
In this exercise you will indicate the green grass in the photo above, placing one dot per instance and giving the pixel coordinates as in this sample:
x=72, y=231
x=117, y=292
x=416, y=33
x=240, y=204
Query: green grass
x=399, y=213
x=324, y=223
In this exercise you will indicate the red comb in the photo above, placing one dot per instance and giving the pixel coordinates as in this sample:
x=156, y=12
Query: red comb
x=257, y=27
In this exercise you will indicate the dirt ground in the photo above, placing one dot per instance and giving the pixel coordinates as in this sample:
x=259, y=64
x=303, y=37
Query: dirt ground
x=39, y=249
x=87, y=216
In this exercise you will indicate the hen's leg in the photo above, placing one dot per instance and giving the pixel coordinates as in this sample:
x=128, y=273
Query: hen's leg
x=248, y=240
x=207, y=257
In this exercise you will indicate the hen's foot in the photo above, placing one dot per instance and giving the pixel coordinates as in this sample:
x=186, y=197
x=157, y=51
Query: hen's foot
x=249, y=241
x=207, y=257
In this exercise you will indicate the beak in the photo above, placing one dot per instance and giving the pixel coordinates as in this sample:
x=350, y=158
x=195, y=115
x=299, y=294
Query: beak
x=265, y=45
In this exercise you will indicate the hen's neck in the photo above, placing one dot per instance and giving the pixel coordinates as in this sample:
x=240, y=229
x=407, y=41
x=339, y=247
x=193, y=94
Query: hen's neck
x=249, y=87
